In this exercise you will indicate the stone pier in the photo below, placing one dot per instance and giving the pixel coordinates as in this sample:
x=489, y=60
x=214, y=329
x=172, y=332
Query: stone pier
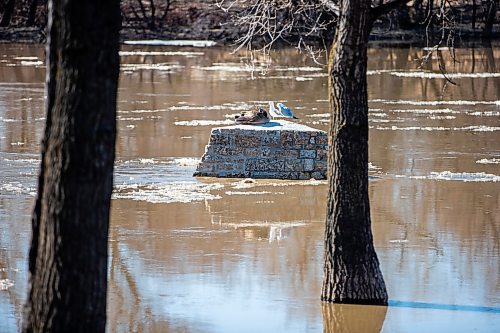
x=278, y=150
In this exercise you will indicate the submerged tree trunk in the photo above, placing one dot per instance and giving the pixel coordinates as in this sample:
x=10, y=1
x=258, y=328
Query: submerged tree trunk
x=68, y=254
x=351, y=268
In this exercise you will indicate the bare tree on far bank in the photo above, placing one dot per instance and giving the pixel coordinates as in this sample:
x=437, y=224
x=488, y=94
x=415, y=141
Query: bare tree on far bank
x=69, y=249
x=200, y=19
x=150, y=14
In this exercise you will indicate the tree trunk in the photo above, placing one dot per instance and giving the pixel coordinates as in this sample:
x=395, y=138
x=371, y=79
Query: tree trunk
x=351, y=269
x=32, y=13
x=68, y=254
x=489, y=19
x=7, y=13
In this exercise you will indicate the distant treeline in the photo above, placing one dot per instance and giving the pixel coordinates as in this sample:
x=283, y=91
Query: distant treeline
x=199, y=18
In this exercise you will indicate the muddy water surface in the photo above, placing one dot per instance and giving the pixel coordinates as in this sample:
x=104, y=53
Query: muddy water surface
x=221, y=255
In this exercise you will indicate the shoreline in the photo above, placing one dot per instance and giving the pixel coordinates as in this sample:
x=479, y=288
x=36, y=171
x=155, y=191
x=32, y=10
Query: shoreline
x=226, y=37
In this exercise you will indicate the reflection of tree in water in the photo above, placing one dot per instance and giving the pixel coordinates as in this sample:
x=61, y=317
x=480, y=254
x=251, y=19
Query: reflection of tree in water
x=347, y=318
x=129, y=310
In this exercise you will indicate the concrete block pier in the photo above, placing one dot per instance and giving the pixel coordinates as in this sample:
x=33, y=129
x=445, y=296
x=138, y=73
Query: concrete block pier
x=278, y=150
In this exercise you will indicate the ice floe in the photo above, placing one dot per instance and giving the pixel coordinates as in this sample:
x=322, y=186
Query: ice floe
x=186, y=161
x=161, y=180
x=32, y=63
x=433, y=75
x=373, y=167
x=251, y=192
x=412, y=102
x=459, y=176
x=160, y=53
x=164, y=67
x=488, y=161
x=247, y=183
x=180, y=42
x=5, y=284
x=442, y=117
x=301, y=78
x=18, y=188
x=425, y=111
x=182, y=192
x=298, y=69
x=475, y=128
x=483, y=113
x=262, y=224
x=204, y=122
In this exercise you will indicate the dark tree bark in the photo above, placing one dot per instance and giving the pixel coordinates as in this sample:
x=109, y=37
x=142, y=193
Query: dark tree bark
x=68, y=254
x=351, y=269
x=490, y=14
x=7, y=13
x=32, y=13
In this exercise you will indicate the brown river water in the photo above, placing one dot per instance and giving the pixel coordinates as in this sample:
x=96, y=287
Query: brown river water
x=220, y=255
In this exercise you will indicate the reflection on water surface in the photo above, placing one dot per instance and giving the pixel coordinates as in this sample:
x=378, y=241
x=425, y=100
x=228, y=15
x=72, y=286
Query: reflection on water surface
x=225, y=255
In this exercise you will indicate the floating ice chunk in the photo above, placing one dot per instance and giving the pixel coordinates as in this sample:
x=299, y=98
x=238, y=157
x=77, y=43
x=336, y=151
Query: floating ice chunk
x=204, y=122
x=159, y=53
x=264, y=224
x=432, y=75
x=17, y=188
x=480, y=128
x=159, y=67
x=488, y=161
x=371, y=166
x=5, y=284
x=251, y=193
x=26, y=58
x=186, y=161
x=180, y=42
x=298, y=69
x=426, y=111
x=32, y=63
x=378, y=71
x=461, y=176
x=412, y=128
x=411, y=102
x=442, y=117
x=319, y=115
x=182, y=192
x=483, y=113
